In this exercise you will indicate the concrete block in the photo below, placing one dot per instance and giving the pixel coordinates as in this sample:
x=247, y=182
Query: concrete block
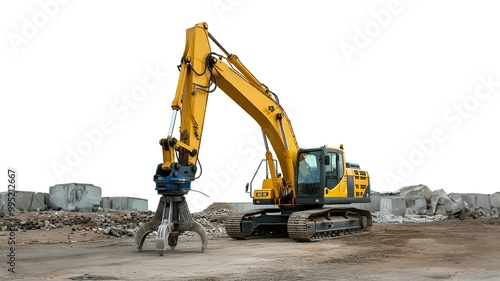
x=374, y=205
x=495, y=200
x=74, y=197
x=106, y=202
x=455, y=196
x=440, y=202
x=416, y=190
x=460, y=207
x=392, y=205
x=440, y=210
x=138, y=204
x=125, y=203
x=409, y=212
x=435, y=201
x=119, y=203
x=4, y=196
x=440, y=192
x=39, y=201
x=24, y=201
x=439, y=198
x=418, y=204
x=476, y=200
x=495, y=213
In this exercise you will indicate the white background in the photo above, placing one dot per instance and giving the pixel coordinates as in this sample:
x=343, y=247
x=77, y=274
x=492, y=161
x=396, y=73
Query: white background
x=382, y=77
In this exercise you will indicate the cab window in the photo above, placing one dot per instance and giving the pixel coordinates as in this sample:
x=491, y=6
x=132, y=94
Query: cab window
x=335, y=170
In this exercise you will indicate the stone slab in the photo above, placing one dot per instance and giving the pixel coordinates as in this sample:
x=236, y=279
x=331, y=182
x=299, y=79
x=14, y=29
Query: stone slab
x=75, y=197
x=393, y=205
x=416, y=190
x=474, y=200
x=440, y=210
x=495, y=200
x=439, y=200
x=125, y=203
x=455, y=196
x=418, y=204
x=25, y=201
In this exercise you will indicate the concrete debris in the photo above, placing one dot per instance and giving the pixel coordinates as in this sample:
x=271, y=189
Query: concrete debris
x=416, y=190
x=113, y=222
x=414, y=204
x=419, y=200
x=108, y=222
x=418, y=204
x=213, y=219
x=409, y=217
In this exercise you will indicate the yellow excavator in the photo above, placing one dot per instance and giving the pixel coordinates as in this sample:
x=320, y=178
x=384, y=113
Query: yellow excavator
x=310, y=179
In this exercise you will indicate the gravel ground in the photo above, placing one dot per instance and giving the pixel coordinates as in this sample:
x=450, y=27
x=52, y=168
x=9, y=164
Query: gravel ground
x=443, y=250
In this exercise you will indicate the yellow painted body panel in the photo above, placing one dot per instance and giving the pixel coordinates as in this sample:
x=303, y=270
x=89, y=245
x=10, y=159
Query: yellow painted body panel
x=360, y=181
x=340, y=191
x=266, y=192
x=360, y=185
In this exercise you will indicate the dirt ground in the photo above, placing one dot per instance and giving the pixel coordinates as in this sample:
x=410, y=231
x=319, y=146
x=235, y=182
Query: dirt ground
x=445, y=250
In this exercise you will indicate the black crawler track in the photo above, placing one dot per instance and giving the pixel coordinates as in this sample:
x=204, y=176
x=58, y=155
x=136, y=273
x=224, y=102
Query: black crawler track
x=328, y=223
x=309, y=225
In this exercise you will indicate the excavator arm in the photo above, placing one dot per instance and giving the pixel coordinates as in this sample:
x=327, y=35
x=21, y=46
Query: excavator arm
x=201, y=71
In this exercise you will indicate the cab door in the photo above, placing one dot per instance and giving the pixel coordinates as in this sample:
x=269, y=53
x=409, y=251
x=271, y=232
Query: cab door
x=334, y=169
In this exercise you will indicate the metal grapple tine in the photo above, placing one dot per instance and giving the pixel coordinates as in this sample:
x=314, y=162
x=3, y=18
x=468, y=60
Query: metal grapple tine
x=164, y=230
x=198, y=228
x=148, y=227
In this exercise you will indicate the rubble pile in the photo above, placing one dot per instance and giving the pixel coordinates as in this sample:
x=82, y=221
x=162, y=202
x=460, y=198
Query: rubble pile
x=390, y=218
x=213, y=219
x=105, y=221
x=417, y=203
x=410, y=204
x=113, y=222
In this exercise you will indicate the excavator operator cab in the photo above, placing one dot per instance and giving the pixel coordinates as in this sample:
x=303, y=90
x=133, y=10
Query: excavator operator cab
x=317, y=168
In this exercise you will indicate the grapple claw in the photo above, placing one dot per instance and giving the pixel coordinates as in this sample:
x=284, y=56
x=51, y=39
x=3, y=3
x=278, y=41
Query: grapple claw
x=168, y=232
x=140, y=235
x=161, y=239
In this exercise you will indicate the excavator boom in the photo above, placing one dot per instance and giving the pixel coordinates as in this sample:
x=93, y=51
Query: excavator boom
x=201, y=71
